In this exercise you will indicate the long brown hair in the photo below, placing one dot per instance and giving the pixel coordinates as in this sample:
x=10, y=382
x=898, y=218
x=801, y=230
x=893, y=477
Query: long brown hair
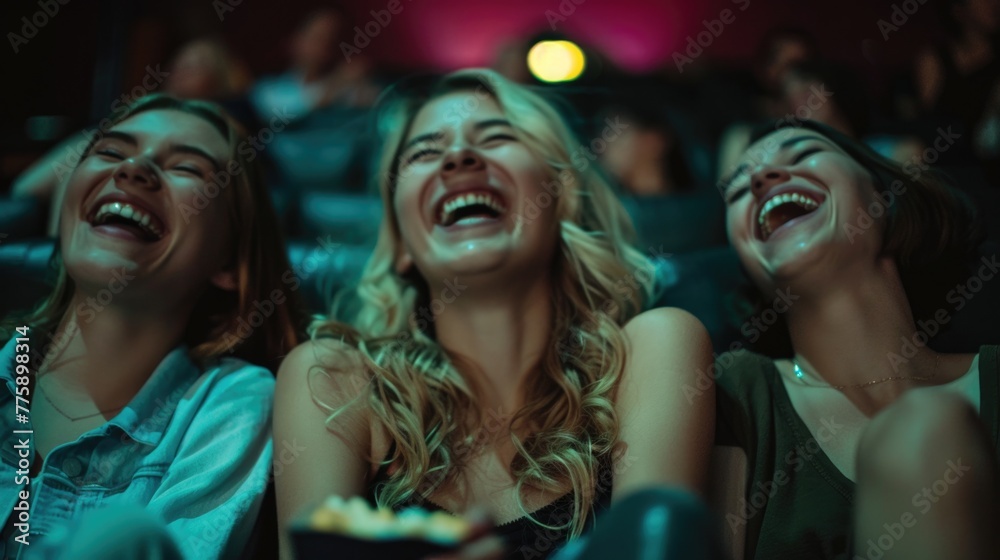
x=216, y=326
x=931, y=231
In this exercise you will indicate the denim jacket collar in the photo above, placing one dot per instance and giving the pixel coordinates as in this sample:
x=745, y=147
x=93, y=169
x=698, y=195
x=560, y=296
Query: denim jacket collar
x=146, y=416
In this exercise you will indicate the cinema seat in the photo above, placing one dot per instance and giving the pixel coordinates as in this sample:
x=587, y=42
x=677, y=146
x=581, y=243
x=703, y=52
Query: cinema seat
x=701, y=282
x=327, y=148
x=678, y=223
x=347, y=218
x=25, y=273
x=22, y=218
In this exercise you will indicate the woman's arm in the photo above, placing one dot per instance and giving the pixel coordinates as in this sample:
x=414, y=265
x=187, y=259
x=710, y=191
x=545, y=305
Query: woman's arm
x=666, y=403
x=332, y=461
x=210, y=496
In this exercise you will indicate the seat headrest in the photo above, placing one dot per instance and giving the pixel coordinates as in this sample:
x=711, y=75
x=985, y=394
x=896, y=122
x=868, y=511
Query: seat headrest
x=700, y=282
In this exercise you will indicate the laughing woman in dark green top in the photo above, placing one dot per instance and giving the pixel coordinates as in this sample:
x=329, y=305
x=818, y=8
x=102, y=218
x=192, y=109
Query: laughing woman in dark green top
x=860, y=441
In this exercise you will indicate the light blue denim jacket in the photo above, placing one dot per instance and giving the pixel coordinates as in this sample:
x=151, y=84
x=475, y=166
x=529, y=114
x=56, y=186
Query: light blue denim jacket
x=193, y=447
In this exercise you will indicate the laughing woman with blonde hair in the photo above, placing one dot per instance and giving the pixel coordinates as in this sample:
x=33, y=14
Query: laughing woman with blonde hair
x=495, y=356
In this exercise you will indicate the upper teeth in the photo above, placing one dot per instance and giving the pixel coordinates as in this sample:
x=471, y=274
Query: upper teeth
x=469, y=199
x=129, y=212
x=784, y=198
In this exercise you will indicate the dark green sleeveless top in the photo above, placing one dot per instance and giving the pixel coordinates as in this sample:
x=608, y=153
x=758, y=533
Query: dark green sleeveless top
x=797, y=504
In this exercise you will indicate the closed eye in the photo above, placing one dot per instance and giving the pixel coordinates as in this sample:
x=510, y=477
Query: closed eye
x=736, y=194
x=190, y=169
x=421, y=154
x=804, y=154
x=498, y=137
x=110, y=153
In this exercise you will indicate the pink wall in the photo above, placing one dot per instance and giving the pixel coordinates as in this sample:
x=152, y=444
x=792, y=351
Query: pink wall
x=638, y=34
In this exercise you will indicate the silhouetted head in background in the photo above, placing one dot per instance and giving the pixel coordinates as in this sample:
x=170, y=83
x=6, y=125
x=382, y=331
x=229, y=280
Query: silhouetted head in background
x=646, y=158
x=778, y=51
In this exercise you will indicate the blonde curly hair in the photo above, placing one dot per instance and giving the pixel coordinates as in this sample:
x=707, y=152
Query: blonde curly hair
x=417, y=395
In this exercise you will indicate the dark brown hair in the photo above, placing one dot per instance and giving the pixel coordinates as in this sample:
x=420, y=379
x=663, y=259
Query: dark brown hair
x=931, y=231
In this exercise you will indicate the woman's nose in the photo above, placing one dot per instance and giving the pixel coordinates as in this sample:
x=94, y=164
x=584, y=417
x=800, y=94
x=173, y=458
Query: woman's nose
x=463, y=159
x=136, y=173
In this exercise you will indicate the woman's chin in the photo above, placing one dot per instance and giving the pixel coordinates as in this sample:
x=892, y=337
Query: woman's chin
x=792, y=260
x=470, y=263
x=491, y=263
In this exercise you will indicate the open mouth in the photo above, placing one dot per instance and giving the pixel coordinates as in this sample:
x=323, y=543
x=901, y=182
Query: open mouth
x=124, y=218
x=783, y=208
x=470, y=208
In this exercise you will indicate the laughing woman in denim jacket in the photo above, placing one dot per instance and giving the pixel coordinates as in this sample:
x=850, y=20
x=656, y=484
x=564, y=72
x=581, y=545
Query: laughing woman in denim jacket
x=136, y=392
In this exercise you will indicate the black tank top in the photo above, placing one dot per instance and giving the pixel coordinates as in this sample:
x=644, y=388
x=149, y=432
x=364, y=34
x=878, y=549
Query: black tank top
x=526, y=540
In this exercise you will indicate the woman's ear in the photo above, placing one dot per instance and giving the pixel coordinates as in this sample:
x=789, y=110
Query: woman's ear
x=225, y=279
x=404, y=262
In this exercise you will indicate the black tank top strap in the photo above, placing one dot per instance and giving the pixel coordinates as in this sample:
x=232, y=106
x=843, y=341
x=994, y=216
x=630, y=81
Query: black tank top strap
x=382, y=474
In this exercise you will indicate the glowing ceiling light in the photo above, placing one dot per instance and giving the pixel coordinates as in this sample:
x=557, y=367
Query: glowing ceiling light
x=556, y=61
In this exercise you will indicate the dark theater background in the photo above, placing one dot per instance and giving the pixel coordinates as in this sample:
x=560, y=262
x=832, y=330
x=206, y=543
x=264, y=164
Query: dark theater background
x=686, y=73
x=663, y=96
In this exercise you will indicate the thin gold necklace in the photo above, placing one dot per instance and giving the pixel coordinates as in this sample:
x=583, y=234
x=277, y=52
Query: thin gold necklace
x=67, y=416
x=800, y=376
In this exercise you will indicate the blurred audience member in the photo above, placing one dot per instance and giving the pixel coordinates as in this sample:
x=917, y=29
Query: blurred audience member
x=206, y=69
x=646, y=158
x=511, y=61
x=959, y=78
x=319, y=75
x=825, y=93
x=779, y=51
x=829, y=94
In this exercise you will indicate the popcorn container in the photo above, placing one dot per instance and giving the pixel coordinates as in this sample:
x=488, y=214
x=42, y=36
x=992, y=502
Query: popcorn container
x=351, y=530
